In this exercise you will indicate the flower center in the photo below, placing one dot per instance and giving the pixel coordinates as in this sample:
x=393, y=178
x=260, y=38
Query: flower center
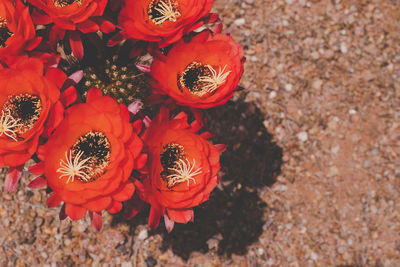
x=202, y=79
x=161, y=11
x=19, y=115
x=8, y=125
x=4, y=32
x=176, y=167
x=63, y=3
x=125, y=82
x=87, y=159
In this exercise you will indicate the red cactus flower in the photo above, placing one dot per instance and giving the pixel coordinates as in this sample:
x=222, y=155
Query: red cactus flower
x=29, y=108
x=163, y=21
x=17, y=32
x=202, y=73
x=72, y=16
x=182, y=169
x=89, y=159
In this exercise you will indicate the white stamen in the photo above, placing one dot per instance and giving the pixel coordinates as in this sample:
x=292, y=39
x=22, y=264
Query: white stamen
x=183, y=172
x=215, y=80
x=167, y=12
x=8, y=125
x=73, y=168
x=63, y=3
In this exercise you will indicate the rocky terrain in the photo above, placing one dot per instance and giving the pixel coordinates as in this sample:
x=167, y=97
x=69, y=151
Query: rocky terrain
x=312, y=173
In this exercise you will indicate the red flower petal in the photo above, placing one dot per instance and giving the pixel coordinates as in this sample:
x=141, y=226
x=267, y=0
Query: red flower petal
x=181, y=216
x=217, y=28
x=134, y=107
x=116, y=39
x=38, y=182
x=66, y=25
x=56, y=34
x=212, y=18
x=169, y=224
x=124, y=112
x=88, y=26
x=98, y=204
x=136, y=146
x=141, y=161
x=12, y=177
x=40, y=18
x=33, y=43
x=55, y=117
x=114, y=207
x=97, y=220
x=221, y=148
x=74, y=212
x=76, y=44
x=56, y=76
x=105, y=25
x=93, y=94
x=69, y=96
x=207, y=135
x=137, y=126
x=133, y=206
x=154, y=217
x=143, y=68
x=146, y=121
x=53, y=200
x=76, y=77
x=37, y=168
x=125, y=193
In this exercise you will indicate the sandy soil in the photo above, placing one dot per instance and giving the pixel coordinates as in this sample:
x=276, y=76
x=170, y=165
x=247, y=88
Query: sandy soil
x=312, y=173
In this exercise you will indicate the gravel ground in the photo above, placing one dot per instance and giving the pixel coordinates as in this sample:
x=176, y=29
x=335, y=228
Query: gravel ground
x=311, y=176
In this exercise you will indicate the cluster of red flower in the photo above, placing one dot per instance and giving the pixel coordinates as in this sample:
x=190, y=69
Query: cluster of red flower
x=95, y=153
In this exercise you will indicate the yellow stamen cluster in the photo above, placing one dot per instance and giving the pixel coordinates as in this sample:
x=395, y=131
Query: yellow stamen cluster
x=201, y=79
x=63, y=3
x=163, y=11
x=215, y=80
x=183, y=171
x=88, y=159
x=97, y=148
x=73, y=167
x=3, y=22
x=24, y=108
x=8, y=125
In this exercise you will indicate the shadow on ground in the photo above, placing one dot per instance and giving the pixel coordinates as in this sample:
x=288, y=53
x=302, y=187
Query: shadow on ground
x=234, y=214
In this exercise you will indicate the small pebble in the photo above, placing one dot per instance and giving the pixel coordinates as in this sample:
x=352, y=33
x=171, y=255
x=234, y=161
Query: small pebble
x=288, y=87
x=143, y=234
x=240, y=21
x=343, y=48
x=302, y=136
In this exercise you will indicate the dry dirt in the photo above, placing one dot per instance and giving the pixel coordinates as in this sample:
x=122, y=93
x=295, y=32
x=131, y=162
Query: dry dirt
x=312, y=173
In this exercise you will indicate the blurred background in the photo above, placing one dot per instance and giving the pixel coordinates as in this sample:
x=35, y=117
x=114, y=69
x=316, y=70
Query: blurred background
x=312, y=173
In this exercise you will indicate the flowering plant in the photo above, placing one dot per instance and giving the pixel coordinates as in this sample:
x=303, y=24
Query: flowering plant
x=109, y=131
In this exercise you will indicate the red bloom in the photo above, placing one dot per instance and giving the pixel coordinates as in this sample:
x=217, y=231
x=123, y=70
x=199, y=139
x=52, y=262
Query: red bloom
x=202, y=73
x=164, y=21
x=69, y=14
x=182, y=168
x=17, y=32
x=29, y=108
x=82, y=15
x=90, y=157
